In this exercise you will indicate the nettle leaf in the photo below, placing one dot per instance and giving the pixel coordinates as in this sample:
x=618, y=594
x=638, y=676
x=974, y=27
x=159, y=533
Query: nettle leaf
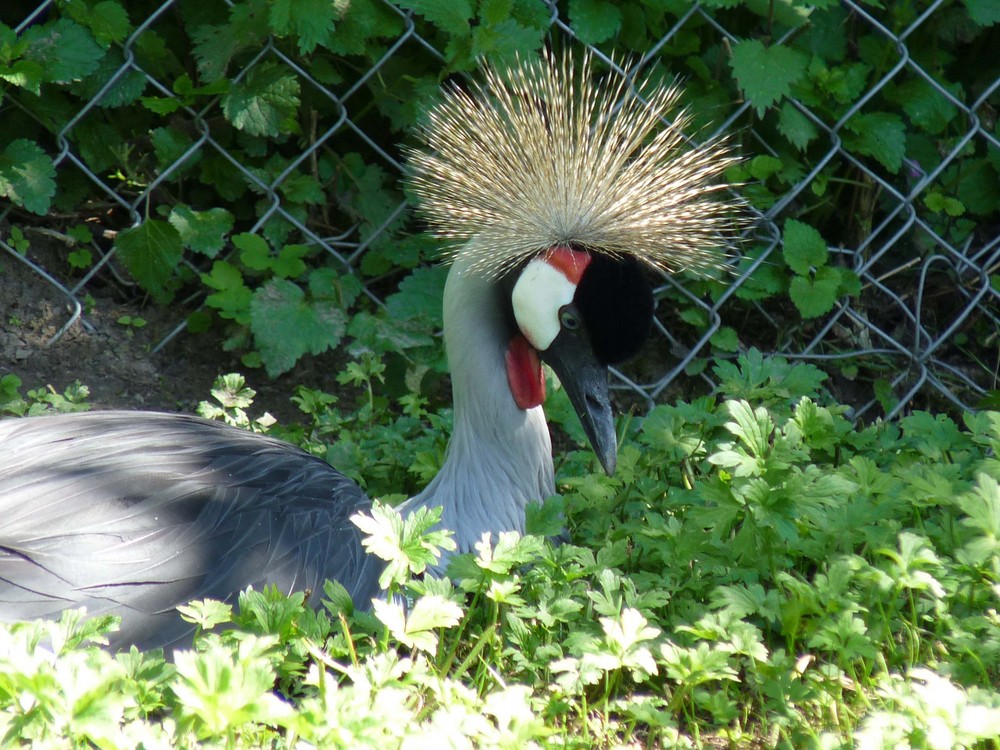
x=126, y=88
x=594, y=21
x=795, y=126
x=979, y=186
x=766, y=73
x=505, y=40
x=420, y=296
x=25, y=74
x=726, y=339
x=286, y=324
x=983, y=12
x=880, y=135
x=302, y=188
x=27, y=176
x=816, y=296
x=451, y=16
x=65, y=50
x=925, y=105
x=107, y=20
x=170, y=146
x=216, y=46
x=151, y=252
x=202, y=231
x=310, y=20
x=803, y=247
x=263, y=102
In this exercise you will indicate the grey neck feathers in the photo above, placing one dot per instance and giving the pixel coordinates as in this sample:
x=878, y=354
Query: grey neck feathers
x=500, y=456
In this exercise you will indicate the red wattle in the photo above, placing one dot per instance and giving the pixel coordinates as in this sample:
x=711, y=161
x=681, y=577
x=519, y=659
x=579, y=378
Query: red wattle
x=524, y=373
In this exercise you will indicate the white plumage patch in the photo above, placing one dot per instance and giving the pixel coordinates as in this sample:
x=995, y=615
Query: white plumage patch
x=539, y=294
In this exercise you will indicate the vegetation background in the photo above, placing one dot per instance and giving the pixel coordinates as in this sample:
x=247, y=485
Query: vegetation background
x=767, y=567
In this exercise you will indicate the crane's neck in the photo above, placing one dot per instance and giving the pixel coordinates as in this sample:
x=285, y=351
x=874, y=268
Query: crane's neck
x=499, y=458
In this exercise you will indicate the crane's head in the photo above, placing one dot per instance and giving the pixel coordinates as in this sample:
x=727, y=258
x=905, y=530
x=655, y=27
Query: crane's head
x=579, y=312
x=565, y=186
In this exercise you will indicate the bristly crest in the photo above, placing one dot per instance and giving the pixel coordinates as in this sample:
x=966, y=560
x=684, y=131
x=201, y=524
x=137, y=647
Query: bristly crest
x=540, y=155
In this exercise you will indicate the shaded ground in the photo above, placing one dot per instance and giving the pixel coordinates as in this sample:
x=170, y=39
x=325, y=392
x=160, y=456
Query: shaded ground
x=113, y=359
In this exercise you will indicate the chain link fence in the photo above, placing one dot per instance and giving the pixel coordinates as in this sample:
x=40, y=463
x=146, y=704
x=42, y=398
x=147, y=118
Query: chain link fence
x=921, y=291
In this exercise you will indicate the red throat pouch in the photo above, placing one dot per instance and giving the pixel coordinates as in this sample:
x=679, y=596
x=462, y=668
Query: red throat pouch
x=524, y=373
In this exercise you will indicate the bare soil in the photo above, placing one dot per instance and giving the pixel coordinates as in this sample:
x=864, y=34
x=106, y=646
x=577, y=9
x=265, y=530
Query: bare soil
x=116, y=361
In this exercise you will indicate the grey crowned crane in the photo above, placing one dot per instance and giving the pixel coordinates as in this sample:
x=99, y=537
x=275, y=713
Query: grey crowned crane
x=555, y=192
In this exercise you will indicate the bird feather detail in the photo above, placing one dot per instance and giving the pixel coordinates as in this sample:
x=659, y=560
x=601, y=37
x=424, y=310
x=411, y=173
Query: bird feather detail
x=540, y=154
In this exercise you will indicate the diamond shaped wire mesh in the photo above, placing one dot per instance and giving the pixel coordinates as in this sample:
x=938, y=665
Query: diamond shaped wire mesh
x=920, y=291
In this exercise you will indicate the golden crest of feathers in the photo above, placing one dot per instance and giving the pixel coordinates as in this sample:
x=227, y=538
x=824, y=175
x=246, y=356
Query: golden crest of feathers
x=541, y=155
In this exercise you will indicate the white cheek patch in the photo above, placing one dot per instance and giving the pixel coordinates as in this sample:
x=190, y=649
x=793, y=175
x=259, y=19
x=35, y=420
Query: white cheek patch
x=540, y=292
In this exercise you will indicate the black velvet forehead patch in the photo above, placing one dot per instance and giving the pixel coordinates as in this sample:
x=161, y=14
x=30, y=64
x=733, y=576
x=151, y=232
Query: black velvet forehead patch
x=615, y=299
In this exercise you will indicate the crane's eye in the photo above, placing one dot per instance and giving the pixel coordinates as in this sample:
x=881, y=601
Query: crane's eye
x=569, y=318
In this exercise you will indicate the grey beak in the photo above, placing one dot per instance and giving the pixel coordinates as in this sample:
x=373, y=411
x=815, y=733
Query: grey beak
x=586, y=382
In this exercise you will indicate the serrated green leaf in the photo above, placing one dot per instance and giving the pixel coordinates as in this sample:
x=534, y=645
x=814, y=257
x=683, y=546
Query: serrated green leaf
x=309, y=20
x=803, y=247
x=766, y=74
x=726, y=339
x=263, y=102
x=795, y=126
x=506, y=40
x=881, y=135
x=302, y=188
x=695, y=316
x=127, y=87
x=255, y=253
x=763, y=166
x=594, y=21
x=151, y=252
x=288, y=264
x=107, y=20
x=215, y=46
x=752, y=426
x=172, y=146
x=419, y=296
x=979, y=187
x=206, y=613
x=983, y=12
x=65, y=50
x=927, y=107
x=451, y=16
x=363, y=20
x=813, y=297
x=202, y=231
x=492, y=12
x=25, y=74
x=27, y=176
x=342, y=289
x=938, y=203
x=80, y=258
x=433, y=612
x=848, y=283
x=286, y=324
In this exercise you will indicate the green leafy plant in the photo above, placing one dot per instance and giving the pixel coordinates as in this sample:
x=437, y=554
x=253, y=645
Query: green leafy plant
x=40, y=400
x=759, y=570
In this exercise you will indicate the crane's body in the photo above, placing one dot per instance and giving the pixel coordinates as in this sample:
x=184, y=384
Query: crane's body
x=551, y=193
x=133, y=513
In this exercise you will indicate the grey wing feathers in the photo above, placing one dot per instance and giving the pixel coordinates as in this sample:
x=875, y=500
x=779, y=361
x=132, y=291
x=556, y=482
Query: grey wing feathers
x=133, y=513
